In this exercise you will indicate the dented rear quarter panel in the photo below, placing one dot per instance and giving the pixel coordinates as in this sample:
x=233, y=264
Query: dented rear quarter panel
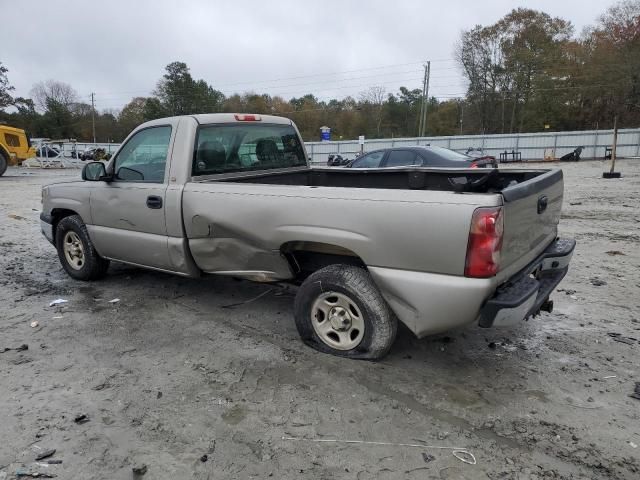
x=240, y=226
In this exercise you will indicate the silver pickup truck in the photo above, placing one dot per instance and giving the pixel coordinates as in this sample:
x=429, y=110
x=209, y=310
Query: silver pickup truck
x=232, y=194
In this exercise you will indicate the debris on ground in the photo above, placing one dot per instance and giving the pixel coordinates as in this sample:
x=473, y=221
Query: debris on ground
x=23, y=473
x=619, y=338
x=34, y=324
x=567, y=291
x=492, y=345
x=427, y=457
x=237, y=304
x=21, y=348
x=575, y=203
x=58, y=301
x=204, y=458
x=636, y=392
x=115, y=300
x=598, y=282
x=82, y=418
x=614, y=252
x=45, y=453
x=16, y=217
x=54, y=462
x=139, y=469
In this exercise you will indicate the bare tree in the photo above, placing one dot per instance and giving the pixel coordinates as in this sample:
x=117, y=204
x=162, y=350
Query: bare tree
x=52, y=91
x=374, y=98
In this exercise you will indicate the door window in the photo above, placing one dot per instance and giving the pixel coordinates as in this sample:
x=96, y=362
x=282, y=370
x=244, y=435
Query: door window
x=370, y=160
x=401, y=158
x=144, y=157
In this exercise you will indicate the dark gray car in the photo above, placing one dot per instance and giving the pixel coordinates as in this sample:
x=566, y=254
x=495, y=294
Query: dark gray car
x=426, y=156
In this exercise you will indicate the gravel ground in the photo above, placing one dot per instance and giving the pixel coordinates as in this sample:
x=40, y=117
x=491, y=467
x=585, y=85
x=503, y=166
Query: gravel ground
x=203, y=378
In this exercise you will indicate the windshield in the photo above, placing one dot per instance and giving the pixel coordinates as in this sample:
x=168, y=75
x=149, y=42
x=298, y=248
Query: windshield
x=241, y=147
x=450, y=154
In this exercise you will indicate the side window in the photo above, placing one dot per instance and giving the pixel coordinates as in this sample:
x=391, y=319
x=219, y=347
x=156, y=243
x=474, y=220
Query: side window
x=12, y=140
x=144, y=157
x=371, y=160
x=401, y=158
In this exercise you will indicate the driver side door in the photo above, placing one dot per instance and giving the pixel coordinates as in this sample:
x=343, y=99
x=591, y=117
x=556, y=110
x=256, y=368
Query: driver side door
x=128, y=213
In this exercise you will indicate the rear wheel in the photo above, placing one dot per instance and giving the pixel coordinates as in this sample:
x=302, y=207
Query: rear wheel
x=77, y=254
x=339, y=310
x=4, y=163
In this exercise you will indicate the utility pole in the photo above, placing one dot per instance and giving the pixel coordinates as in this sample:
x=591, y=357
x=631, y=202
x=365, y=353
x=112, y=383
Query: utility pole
x=93, y=115
x=425, y=99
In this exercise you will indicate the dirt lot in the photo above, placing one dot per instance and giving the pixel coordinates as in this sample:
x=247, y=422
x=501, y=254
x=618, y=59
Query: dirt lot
x=175, y=371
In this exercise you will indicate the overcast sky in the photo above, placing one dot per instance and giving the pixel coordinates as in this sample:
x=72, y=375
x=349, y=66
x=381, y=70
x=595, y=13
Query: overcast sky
x=118, y=49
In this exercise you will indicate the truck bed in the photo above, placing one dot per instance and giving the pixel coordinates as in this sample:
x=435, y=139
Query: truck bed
x=410, y=178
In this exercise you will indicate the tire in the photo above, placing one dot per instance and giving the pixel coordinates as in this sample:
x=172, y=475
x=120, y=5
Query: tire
x=76, y=252
x=323, y=324
x=4, y=163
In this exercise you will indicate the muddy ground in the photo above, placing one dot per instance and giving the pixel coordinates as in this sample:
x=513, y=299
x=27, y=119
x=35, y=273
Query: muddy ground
x=174, y=371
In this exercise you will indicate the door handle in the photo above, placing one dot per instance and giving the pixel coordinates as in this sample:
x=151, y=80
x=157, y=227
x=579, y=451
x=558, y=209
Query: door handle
x=153, y=201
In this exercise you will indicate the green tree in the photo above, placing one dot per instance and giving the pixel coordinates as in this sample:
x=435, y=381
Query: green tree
x=5, y=97
x=180, y=94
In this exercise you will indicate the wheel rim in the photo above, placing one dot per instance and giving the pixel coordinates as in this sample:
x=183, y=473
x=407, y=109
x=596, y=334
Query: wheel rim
x=73, y=250
x=337, y=320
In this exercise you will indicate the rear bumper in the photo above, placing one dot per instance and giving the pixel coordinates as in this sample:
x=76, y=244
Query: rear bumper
x=527, y=292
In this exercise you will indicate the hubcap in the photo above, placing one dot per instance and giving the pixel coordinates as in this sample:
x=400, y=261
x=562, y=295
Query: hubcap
x=337, y=320
x=73, y=250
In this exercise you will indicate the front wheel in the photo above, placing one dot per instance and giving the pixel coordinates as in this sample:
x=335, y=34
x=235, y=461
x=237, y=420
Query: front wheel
x=76, y=252
x=339, y=310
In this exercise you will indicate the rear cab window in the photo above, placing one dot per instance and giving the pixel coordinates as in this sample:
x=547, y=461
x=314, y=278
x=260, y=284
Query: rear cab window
x=238, y=147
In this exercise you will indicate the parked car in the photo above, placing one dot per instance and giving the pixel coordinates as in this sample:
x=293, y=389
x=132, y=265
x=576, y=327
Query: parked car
x=234, y=195
x=423, y=156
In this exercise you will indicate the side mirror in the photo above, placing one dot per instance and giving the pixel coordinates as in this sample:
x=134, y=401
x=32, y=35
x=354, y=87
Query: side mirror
x=94, y=172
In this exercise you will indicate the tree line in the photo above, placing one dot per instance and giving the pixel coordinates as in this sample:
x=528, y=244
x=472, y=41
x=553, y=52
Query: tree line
x=527, y=72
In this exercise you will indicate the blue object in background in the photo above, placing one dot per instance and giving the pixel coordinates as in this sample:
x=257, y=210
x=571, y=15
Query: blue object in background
x=325, y=134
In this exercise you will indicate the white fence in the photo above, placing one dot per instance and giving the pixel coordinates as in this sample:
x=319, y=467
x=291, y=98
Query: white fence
x=532, y=146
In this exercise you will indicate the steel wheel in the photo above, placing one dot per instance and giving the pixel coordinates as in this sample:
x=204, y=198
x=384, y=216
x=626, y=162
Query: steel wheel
x=337, y=320
x=73, y=250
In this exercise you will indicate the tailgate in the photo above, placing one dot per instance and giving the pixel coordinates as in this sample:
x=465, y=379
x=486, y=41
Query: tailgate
x=531, y=215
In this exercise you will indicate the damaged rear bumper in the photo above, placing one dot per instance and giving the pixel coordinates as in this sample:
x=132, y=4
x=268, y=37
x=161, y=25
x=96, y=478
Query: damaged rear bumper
x=528, y=292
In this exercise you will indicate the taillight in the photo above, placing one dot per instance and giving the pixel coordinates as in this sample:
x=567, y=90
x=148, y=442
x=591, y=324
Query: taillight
x=485, y=243
x=473, y=165
x=247, y=118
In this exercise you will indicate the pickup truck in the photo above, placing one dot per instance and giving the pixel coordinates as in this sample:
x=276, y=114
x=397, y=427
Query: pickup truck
x=234, y=194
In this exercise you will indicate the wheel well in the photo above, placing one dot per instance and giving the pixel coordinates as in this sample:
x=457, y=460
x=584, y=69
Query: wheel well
x=58, y=214
x=308, y=257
